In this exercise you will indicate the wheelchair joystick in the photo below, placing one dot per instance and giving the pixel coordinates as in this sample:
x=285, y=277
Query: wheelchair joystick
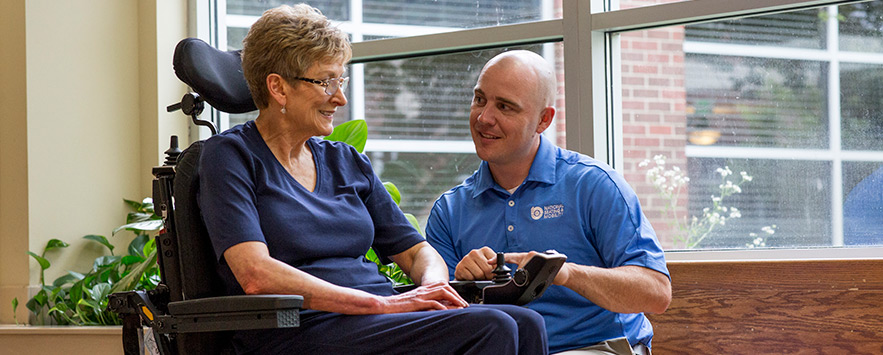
x=502, y=274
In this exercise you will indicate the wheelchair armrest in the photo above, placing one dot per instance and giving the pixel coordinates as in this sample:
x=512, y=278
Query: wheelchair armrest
x=235, y=304
x=236, y=313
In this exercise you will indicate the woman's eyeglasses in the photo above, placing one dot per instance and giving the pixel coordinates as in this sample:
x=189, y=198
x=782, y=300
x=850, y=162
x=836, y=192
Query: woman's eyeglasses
x=331, y=85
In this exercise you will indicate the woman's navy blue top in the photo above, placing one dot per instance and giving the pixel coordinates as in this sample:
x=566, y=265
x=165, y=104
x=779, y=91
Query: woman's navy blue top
x=246, y=195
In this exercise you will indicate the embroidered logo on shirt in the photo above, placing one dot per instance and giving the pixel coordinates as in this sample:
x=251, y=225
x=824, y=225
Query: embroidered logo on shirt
x=545, y=212
x=536, y=212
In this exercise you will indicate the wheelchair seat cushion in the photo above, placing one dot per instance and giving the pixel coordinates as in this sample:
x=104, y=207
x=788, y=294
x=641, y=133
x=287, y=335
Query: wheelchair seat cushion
x=213, y=74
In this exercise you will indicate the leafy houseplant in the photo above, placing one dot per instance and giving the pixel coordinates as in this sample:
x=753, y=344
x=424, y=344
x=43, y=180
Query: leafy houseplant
x=81, y=298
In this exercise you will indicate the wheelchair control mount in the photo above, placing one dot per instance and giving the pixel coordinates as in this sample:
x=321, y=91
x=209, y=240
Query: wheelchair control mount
x=519, y=288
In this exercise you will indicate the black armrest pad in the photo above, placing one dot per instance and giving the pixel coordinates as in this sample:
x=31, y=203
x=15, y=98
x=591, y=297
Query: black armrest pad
x=248, y=303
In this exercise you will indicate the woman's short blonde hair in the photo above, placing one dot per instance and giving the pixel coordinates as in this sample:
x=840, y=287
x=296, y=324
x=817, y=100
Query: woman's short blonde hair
x=288, y=40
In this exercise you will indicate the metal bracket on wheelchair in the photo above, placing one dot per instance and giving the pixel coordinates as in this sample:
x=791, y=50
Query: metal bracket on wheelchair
x=192, y=105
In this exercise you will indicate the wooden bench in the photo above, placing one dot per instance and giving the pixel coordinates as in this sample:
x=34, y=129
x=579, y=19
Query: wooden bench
x=773, y=307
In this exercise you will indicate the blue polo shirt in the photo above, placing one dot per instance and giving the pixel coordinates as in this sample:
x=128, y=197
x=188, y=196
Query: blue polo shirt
x=571, y=203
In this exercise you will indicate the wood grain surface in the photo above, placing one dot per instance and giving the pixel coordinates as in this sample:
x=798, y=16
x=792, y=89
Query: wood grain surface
x=773, y=307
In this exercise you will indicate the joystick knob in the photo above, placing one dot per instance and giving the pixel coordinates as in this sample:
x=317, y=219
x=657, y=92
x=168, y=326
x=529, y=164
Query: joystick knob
x=502, y=274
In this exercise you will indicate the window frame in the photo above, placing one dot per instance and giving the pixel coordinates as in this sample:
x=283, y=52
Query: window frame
x=588, y=30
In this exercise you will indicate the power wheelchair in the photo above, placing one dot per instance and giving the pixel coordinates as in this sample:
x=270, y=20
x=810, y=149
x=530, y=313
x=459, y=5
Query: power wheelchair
x=188, y=312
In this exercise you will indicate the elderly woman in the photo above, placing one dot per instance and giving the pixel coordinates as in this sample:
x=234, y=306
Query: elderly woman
x=289, y=213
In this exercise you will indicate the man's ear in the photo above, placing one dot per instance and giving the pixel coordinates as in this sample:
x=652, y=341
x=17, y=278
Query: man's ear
x=546, y=119
x=277, y=88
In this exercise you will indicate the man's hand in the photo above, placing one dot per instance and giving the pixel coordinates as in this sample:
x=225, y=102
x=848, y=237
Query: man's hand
x=477, y=265
x=436, y=296
x=521, y=259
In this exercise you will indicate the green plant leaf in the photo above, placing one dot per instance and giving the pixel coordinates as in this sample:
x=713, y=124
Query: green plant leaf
x=142, y=226
x=414, y=223
x=107, y=260
x=149, y=247
x=54, y=244
x=71, y=277
x=14, y=308
x=44, y=264
x=354, y=133
x=128, y=282
x=132, y=259
x=136, y=247
x=135, y=205
x=100, y=291
x=89, y=303
x=100, y=239
x=393, y=191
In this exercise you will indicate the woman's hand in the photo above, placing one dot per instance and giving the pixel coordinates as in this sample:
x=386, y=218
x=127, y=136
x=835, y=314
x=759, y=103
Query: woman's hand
x=435, y=296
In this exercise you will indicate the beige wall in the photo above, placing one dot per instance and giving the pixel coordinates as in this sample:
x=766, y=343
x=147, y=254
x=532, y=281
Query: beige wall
x=81, y=97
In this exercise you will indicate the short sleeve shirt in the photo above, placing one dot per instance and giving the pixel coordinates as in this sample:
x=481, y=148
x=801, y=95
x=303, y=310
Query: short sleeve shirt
x=246, y=195
x=571, y=203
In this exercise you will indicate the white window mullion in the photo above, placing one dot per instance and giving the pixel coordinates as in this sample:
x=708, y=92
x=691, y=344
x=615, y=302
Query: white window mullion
x=833, y=44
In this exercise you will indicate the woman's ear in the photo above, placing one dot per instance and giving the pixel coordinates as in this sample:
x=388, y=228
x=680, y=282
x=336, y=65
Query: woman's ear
x=277, y=88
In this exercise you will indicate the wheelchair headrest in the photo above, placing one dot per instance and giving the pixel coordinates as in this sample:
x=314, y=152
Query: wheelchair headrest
x=214, y=74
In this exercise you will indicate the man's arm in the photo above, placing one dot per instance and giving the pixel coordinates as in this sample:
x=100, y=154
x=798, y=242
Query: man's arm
x=624, y=289
x=259, y=273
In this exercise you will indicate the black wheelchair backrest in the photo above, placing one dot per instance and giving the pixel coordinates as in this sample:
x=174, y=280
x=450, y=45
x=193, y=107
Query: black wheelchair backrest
x=216, y=75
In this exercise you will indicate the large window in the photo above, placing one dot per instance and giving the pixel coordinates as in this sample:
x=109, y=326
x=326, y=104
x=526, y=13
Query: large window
x=739, y=128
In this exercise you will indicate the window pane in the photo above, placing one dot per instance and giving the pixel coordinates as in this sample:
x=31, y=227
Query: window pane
x=802, y=29
x=426, y=97
x=453, y=13
x=423, y=177
x=337, y=10
x=731, y=95
x=861, y=90
x=862, y=203
x=756, y=102
x=860, y=27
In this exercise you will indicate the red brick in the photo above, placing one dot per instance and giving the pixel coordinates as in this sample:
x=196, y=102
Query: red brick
x=673, y=70
x=663, y=106
x=659, y=82
x=647, y=117
x=677, y=118
x=675, y=47
x=660, y=130
x=677, y=143
x=647, y=142
x=632, y=56
x=645, y=93
x=634, y=105
x=674, y=94
x=645, y=45
x=633, y=129
x=663, y=34
x=634, y=153
x=658, y=58
x=633, y=80
x=648, y=69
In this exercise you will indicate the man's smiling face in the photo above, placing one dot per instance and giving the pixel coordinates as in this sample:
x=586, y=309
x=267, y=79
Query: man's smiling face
x=506, y=112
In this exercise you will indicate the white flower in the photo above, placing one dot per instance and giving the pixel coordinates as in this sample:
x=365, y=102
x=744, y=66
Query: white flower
x=715, y=198
x=644, y=163
x=737, y=188
x=734, y=213
x=745, y=176
x=768, y=230
x=752, y=234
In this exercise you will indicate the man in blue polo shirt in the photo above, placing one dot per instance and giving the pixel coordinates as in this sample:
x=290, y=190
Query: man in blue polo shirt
x=529, y=195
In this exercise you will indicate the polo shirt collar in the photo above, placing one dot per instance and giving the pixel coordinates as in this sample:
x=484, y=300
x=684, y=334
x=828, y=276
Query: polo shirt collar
x=541, y=170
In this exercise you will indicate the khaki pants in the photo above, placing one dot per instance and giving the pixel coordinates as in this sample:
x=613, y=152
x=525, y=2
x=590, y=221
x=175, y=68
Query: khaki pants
x=618, y=346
